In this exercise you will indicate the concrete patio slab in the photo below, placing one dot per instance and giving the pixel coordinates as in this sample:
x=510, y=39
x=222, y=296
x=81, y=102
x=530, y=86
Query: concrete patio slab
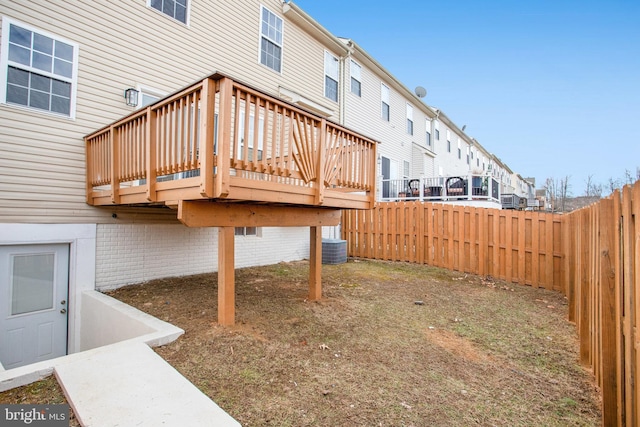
x=128, y=384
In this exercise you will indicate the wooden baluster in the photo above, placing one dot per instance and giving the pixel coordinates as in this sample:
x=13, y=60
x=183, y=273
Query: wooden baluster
x=320, y=163
x=151, y=144
x=115, y=165
x=256, y=134
x=245, y=136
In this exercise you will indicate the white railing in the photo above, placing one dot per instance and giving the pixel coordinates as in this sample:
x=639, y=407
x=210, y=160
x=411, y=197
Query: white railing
x=442, y=188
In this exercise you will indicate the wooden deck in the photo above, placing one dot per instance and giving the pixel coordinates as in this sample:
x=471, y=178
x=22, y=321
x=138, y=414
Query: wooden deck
x=220, y=140
x=226, y=155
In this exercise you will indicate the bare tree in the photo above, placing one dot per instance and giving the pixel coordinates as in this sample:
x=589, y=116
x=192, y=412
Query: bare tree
x=557, y=192
x=628, y=178
x=564, y=188
x=593, y=189
x=613, y=185
x=550, y=192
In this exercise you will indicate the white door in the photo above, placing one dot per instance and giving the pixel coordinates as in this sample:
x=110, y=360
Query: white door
x=34, y=283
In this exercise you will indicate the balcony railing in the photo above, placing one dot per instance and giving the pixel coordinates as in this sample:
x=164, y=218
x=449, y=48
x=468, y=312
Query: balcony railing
x=443, y=188
x=220, y=139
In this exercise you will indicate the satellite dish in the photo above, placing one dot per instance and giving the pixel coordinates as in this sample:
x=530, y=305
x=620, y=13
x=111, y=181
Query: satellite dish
x=421, y=92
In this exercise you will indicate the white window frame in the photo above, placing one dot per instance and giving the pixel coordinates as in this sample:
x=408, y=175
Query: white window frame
x=5, y=64
x=410, y=119
x=355, y=71
x=331, y=72
x=385, y=95
x=270, y=39
x=248, y=231
x=406, y=169
x=146, y=90
x=428, y=132
x=187, y=12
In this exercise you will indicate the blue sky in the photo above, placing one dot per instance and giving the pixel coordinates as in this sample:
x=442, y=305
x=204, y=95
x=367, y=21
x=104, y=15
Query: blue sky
x=550, y=87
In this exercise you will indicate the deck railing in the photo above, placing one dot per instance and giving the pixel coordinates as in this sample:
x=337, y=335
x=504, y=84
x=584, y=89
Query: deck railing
x=221, y=139
x=442, y=188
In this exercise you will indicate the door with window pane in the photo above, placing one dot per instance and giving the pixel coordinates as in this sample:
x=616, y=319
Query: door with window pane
x=34, y=283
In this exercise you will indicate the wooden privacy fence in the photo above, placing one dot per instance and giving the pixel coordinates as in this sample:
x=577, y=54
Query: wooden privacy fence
x=602, y=260
x=591, y=255
x=518, y=246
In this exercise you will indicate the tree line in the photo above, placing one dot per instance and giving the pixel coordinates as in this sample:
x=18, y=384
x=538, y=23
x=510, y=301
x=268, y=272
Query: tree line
x=558, y=191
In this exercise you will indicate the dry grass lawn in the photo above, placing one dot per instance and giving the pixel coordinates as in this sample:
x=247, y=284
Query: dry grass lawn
x=390, y=344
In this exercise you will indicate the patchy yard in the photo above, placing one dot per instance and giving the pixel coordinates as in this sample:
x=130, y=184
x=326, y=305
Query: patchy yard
x=391, y=344
x=473, y=352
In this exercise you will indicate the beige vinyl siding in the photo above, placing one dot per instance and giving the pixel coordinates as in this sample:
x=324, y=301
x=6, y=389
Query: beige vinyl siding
x=125, y=44
x=363, y=113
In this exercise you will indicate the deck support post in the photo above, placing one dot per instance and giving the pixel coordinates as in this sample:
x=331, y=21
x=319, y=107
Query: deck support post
x=226, y=276
x=315, y=263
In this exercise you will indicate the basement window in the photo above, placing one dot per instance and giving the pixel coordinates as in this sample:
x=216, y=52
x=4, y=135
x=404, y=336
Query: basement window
x=248, y=231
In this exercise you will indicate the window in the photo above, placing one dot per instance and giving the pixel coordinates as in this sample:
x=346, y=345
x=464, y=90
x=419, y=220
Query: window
x=436, y=126
x=459, y=150
x=271, y=40
x=409, y=119
x=247, y=231
x=356, y=79
x=448, y=146
x=39, y=69
x=384, y=97
x=251, y=136
x=437, y=134
x=177, y=9
x=428, y=127
x=148, y=96
x=406, y=168
x=331, y=76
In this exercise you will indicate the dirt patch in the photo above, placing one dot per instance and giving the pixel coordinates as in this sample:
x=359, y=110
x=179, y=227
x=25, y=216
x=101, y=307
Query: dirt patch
x=390, y=344
x=456, y=345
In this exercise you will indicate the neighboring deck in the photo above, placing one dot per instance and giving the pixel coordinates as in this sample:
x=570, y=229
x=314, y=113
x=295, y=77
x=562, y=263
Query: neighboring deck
x=220, y=140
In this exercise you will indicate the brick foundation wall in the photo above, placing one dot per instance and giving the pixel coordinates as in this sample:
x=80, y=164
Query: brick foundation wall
x=134, y=253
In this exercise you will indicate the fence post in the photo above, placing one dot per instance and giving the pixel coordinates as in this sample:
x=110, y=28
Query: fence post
x=634, y=281
x=608, y=336
x=568, y=263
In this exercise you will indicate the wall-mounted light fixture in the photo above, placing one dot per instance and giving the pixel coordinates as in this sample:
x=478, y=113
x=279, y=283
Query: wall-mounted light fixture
x=131, y=97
